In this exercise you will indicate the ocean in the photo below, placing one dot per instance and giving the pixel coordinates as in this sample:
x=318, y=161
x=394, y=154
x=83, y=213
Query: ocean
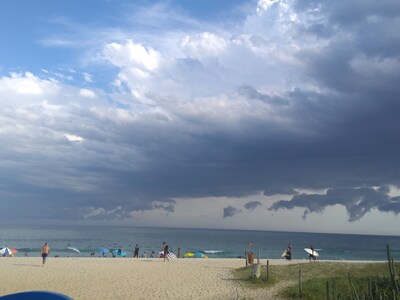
x=212, y=242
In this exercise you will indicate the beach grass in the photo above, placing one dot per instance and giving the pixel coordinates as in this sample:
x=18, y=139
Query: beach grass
x=342, y=279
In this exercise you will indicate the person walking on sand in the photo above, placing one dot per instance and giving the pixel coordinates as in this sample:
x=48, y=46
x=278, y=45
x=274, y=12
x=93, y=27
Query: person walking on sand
x=136, y=251
x=165, y=249
x=45, y=251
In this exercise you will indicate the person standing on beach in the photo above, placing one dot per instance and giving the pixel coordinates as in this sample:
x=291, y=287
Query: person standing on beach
x=136, y=251
x=45, y=251
x=289, y=252
x=165, y=249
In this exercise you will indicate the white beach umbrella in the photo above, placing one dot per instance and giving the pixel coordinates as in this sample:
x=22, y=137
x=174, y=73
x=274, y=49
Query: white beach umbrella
x=171, y=255
x=5, y=251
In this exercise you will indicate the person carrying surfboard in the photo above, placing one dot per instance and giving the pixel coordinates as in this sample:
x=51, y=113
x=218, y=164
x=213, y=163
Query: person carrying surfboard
x=288, y=254
x=312, y=255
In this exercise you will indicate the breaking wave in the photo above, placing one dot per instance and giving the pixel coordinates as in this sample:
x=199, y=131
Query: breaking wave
x=213, y=251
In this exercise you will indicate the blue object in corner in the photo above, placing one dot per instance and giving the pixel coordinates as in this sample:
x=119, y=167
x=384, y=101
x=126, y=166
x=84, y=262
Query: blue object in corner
x=36, y=295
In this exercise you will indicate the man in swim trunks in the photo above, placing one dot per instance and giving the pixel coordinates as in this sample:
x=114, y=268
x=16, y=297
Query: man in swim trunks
x=45, y=252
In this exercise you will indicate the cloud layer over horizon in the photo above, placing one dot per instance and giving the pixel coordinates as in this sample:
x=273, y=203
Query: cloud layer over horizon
x=291, y=96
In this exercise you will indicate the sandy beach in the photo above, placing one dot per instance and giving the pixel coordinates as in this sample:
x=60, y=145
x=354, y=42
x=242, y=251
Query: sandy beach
x=128, y=278
x=108, y=278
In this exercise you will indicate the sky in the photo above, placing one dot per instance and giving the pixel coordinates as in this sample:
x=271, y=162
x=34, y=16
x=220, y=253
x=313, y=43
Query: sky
x=244, y=114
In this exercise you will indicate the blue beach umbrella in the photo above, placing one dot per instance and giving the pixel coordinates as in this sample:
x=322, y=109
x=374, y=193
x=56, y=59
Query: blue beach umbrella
x=199, y=254
x=119, y=252
x=103, y=250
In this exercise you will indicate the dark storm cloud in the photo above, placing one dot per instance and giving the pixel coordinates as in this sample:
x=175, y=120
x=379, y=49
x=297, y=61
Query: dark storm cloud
x=230, y=211
x=251, y=93
x=358, y=202
x=281, y=190
x=252, y=205
x=168, y=206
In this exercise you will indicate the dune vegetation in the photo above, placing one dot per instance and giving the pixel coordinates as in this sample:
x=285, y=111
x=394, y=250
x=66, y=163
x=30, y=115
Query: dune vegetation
x=328, y=280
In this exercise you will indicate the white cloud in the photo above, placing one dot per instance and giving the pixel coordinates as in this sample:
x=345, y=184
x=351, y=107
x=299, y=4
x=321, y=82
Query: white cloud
x=86, y=93
x=204, y=44
x=132, y=54
x=73, y=137
x=263, y=5
x=116, y=115
x=138, y=66
x=27, y=84
x=88, y=77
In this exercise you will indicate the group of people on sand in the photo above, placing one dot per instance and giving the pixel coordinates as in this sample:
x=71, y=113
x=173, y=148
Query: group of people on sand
x=288, y=253
x=163, y=253
x=45, y=251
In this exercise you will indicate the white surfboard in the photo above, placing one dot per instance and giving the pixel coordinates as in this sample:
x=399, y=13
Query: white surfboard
x=284, y=253
x=312, y=252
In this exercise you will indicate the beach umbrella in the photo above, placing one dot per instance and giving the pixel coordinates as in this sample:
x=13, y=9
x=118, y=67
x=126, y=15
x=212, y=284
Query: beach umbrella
x=188, y=254
x=119, y=252
x=171, y=255
x=73, y=249
x=13, y=251
x=103, y=250
x=199, y=254
x=5, y=251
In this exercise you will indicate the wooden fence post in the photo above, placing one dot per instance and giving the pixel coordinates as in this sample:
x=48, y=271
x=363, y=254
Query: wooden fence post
x=300, y=285
x=327, y=290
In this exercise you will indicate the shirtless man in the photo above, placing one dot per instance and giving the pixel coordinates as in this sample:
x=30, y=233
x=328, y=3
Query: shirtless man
x=45, y=252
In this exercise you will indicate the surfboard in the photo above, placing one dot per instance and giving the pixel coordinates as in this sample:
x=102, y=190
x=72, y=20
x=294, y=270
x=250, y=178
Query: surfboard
x=284, y=253
x=309, y=251
x=73, y=249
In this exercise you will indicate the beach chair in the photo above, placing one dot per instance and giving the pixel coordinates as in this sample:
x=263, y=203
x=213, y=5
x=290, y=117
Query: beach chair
x=36, y=295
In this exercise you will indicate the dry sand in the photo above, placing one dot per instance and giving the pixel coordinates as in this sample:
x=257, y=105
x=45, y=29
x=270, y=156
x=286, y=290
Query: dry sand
x=129, y=278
